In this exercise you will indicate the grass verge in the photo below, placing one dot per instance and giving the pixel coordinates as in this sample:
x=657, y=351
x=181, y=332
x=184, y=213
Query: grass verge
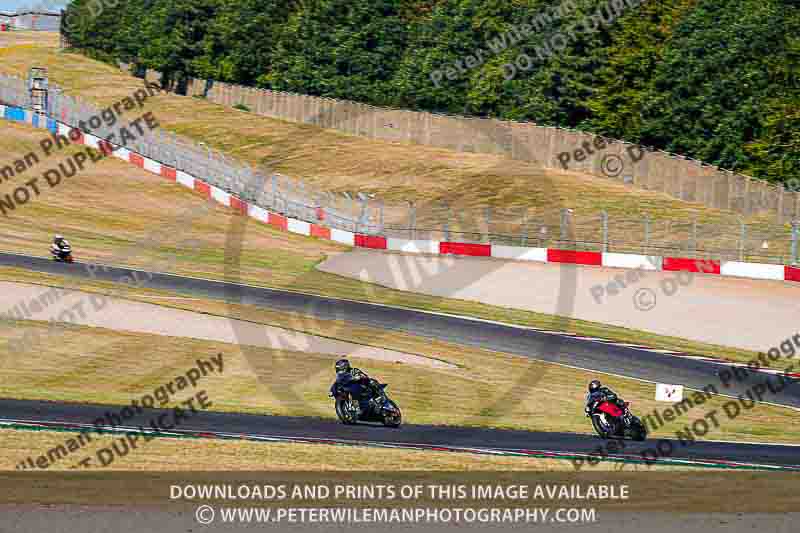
x=485, y=389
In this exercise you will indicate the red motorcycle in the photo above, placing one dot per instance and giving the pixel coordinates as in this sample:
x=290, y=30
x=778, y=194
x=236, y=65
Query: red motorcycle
x=611, y=421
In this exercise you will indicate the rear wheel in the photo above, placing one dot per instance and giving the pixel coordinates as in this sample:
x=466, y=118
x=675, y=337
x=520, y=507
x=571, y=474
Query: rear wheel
x=638, y=431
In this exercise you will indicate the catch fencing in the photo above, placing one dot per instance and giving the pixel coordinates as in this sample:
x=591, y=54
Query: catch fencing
x=680, y=177
x=359, y=213
x=271, y=191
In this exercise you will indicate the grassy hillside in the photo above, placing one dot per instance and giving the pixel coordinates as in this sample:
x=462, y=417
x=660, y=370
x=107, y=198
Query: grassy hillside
x=398, y=172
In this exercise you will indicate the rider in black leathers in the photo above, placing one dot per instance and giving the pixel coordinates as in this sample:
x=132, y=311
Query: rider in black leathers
x=597, y=394
x=59, y=245
x=357, y=382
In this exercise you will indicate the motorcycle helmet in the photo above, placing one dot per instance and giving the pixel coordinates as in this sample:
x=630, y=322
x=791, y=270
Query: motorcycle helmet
x=59, y=238
x=342, y=365
x=594, y=385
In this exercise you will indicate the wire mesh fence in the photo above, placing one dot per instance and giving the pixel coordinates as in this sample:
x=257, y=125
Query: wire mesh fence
x=436, y=221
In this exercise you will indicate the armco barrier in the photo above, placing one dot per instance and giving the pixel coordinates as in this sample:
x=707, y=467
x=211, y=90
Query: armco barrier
x=728, y=268
x=640, y=262
x=370, y=241
x=169, y=173
x=239, y=206
x=465, y=248
x=320, y=232
x=278, y=221
x=202, y=188
x=574, y=257
x=691, y=265
x=752, y=270
x=791, y=273
x=519, y=254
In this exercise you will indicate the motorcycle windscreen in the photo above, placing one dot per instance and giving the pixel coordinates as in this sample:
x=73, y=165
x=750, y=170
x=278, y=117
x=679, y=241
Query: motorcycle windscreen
x=609, y=408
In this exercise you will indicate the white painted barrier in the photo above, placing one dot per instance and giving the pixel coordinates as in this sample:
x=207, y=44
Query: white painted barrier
x=152, y=166
x=187, y=180
x=344, y=237
x=412, y=247
x=125, y=155
x=91, y=141
x=220, y=196
x=520, y=254
x=642, y=262
x=258, y=213
x=298, y=226
x=752, y=270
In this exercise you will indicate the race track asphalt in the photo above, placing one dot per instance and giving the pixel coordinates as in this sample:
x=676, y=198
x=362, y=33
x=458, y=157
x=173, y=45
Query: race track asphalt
x=620, y=360
x=281, y=427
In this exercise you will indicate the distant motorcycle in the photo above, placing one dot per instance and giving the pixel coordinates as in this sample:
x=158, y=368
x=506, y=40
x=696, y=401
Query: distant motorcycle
x=62, y=254
x=610, y=421
x=381, y=408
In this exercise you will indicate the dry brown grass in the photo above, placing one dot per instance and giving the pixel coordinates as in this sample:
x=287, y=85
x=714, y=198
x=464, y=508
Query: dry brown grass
x=396, y=172
x=176, y=455
x=486, y=389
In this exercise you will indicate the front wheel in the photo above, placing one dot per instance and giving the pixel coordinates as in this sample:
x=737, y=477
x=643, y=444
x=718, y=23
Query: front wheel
x=637, y=430
x=604, y=427
x=347, y=410
x=392, y=418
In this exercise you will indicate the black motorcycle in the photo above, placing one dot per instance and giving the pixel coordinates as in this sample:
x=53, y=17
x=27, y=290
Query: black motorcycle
x=380, y=407
x=611, y=421
x=62, y=253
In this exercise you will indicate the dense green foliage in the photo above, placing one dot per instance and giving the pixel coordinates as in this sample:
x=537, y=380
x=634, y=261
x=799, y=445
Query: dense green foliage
x=718, y=80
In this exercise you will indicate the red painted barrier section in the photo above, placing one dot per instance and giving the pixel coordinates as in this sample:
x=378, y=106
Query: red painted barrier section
x=320, y=214
x=136, y=159
x=465, y=248
x=201, y=187
x=239, y=205
x=792, y=273
x=370, y=241
x=320, y=232
x=279, y=221
x=706, y=266
x=105, y=147
x=575, y=257
x=76, y=136
x=169, y=173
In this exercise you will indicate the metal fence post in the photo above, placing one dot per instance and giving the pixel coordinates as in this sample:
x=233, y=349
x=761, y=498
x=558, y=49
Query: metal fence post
x=694, y=237
x=795, y=235
x=488, y=224
x=564, y=223
x=604, y=218
x=447, y=224
x=524, y=233
x=646, y=233
x=412, y=217
x=742, y=238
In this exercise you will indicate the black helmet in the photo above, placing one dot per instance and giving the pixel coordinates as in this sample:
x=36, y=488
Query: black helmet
x=342, y=365
x=594, y=385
